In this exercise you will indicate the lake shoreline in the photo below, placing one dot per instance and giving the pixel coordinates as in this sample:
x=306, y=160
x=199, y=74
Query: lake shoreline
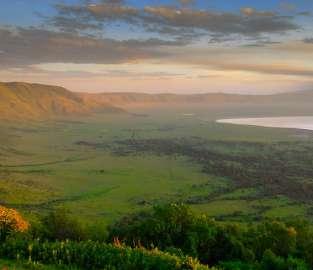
x=298, y=122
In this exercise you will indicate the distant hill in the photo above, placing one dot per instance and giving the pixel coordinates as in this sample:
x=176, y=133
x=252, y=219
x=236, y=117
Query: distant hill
x=126, y=100
x=30, y=101
x=142, y=99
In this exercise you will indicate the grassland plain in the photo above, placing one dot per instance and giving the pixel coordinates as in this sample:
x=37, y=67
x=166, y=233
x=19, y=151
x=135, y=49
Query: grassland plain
x=72, y=163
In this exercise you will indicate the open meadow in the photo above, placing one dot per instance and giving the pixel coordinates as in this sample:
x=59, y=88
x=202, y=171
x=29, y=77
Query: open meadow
x=104, y=166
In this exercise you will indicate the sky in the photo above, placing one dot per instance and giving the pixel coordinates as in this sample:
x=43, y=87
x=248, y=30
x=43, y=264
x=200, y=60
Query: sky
x=177, y=46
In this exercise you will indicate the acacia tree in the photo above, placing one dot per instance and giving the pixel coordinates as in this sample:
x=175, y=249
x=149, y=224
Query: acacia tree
x=11, y=221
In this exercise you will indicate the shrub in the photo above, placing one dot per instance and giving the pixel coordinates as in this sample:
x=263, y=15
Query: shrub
x=59, y=225
x=11, y=221
x=237, y=265
x=94, y=255
x=271, y=261
x=176, y=226
x=276, y=236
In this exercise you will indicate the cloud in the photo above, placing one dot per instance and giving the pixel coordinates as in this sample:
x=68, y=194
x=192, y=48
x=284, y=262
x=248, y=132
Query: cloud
x=187, y=20
x=26, y=46
x=308, y=40
x=73, y=24
x=192, y=47
x=278, y=69
x=286, y=60
x=222, y=23
x=249, y=11
x=305, y=13
x=261, y=43
x=134, y=70
x=75, y=18
x=108, y=11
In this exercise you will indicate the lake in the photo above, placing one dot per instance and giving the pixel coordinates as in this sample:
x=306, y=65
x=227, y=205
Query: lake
x=300, y=122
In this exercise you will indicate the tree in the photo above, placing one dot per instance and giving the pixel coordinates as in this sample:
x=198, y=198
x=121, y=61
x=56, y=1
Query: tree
x=176, y=226
x=276, y=236
x=59, y=225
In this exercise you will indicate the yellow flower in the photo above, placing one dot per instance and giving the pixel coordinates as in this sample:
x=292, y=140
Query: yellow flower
x=11, y=220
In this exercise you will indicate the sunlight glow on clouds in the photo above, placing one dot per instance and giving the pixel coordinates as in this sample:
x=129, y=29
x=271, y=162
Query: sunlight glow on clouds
x=184, y=46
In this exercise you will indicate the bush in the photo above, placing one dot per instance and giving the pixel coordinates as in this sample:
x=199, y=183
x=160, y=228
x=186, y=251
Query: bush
x=11, y=222
x=271, y=261
x=174, y=229
x=175, y=226
x=94, y=255
x=59, y=225
x=237, y=265
x=276, y=236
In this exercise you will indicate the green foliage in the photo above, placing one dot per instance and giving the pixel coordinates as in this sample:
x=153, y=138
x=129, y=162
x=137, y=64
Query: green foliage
x=164, y=237
x=94, y=255
x=59, y=225
x=271, y=261
x=6, y=264
x=277, y=236
x=304, y=245
x=29, y=265
x=237, y=265
x=175, y=227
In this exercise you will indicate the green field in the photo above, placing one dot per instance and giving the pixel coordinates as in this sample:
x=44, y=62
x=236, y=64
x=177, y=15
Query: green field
x=102, y=167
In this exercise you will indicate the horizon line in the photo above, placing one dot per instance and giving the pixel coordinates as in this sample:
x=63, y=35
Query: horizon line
x=160, y=93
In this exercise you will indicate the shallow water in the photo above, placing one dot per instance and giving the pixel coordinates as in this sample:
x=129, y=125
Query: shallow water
x=299, y=122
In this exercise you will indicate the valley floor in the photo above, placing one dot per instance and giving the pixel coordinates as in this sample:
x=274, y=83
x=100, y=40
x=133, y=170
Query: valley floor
x=107, y=165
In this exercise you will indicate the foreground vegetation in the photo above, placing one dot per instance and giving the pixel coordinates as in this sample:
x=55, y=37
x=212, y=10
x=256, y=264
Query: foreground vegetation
x=65, y=244
x=94, y=255
x=167, y=236
x=248, y=190
x=264, y=245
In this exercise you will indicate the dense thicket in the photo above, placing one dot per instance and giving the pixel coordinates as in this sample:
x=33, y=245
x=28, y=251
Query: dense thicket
x=94, y=255
x=167, y=236
x=266, y=245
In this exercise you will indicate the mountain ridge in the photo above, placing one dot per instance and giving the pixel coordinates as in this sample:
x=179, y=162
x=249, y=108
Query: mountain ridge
x=132, y=98
x=33, y=100
x=20, y=100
